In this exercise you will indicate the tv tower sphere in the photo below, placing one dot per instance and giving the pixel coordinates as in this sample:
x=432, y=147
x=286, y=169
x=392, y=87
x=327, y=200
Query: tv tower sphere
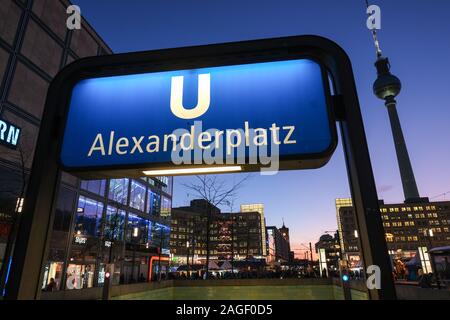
x=386, y=86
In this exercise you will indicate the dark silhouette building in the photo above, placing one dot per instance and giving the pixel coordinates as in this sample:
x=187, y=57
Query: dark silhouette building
x=328, y=250
x=278, y=247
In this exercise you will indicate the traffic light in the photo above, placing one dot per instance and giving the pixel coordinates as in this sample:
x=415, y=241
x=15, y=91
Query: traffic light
x=345, y=278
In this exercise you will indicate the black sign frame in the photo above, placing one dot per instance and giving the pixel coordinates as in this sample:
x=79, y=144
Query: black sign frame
x=37, y=216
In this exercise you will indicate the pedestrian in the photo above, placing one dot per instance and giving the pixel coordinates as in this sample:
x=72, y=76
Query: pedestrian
x=51, y=286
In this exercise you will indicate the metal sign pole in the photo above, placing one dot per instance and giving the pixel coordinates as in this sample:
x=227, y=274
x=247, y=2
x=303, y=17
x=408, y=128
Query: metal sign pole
x=362, y=185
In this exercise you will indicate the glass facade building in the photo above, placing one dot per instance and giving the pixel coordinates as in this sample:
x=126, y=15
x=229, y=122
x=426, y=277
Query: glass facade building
x=122, y=221
x=108, y=222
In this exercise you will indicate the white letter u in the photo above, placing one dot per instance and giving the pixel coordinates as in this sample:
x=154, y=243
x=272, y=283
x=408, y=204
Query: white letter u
x=203, y=101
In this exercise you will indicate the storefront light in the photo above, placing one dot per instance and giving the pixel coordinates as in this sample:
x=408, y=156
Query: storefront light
x=185, y=171
x=19, y=205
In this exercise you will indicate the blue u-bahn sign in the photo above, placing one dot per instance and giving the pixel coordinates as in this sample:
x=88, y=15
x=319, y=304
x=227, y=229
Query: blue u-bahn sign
x=222, y=115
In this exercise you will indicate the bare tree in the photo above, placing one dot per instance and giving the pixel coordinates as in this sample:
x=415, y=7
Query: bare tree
x=215, y=192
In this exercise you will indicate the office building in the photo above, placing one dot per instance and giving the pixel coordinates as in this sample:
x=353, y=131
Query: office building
x=188, y=239
x=407, y=226
x=258, y=207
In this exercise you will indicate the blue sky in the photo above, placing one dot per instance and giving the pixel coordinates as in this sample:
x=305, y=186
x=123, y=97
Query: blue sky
x=414, y=36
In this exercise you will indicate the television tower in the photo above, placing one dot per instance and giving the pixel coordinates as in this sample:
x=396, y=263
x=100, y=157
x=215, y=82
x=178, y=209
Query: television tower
x=387, y=87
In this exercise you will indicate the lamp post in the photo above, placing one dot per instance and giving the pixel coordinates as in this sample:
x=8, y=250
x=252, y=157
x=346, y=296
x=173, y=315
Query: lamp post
x=160, y=251
x=109, y=270
x=187, y=256
x=135, y=243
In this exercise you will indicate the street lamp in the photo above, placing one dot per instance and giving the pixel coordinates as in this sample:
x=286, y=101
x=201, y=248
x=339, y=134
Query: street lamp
x=187, y=256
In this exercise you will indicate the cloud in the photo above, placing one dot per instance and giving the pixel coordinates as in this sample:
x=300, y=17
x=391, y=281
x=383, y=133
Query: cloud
x=384, y=188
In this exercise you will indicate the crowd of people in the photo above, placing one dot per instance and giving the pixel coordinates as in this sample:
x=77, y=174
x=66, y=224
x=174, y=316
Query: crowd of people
x=298, y=273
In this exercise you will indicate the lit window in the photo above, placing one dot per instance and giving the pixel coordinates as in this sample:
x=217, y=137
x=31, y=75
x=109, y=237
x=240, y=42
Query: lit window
x=118, y=190
x=88, y=218
x=19, y=205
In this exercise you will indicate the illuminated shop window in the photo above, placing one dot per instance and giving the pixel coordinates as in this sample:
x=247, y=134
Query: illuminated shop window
x=115, y=222
x=137, y=229
x=118, y=190
x=137, y=195
x=153, y=203
x=88, y=218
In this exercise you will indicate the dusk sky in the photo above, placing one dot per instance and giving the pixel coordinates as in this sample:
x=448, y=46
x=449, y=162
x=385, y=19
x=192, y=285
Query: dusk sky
x=414, y=35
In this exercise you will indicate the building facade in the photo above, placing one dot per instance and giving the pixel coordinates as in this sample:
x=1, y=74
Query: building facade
x=236, y=234
x=328, y=251
x=407, y=226
x=122, y=221
x=258, y=207
x=278, y=248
